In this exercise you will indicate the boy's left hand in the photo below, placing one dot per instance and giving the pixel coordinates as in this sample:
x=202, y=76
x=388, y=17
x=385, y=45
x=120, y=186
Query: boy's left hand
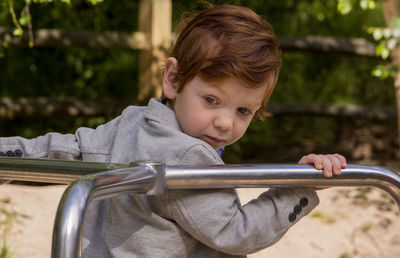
x=330, y=164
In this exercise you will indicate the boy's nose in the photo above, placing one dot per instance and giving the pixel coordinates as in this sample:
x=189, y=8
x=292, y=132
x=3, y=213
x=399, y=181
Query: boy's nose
x=224, y=121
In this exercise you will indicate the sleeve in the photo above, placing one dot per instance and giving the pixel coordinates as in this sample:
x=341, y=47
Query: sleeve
x=217, y=219
x=85, y=144
x=51, y=145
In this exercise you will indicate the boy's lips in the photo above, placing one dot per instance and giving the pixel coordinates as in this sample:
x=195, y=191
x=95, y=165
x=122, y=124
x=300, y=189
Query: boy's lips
x=214, y=139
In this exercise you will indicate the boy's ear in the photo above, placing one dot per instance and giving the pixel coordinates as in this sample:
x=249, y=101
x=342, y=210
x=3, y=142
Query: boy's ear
x=169, y=85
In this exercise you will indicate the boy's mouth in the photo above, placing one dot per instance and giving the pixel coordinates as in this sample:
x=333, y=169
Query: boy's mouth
x=214, y=139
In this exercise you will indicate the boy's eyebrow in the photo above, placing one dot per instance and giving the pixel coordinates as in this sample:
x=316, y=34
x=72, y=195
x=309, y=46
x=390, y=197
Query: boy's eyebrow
x=254, y=107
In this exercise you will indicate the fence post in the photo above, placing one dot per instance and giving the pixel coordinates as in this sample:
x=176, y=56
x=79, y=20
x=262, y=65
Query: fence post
x=155, y=18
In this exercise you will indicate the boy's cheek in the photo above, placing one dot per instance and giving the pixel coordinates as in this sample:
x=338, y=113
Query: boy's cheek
x=245, y=127
x=239, y=134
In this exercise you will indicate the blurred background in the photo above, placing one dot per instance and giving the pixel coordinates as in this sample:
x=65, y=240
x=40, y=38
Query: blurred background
x=329, y=97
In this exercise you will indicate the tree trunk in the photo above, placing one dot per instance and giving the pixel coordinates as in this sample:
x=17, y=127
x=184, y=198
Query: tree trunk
x=391, y=9
x=155, y=19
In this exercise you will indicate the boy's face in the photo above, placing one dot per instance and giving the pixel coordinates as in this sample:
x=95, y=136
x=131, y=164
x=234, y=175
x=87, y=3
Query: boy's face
x=216, y=112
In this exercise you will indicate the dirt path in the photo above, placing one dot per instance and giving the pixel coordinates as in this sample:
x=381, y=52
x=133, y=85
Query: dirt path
x=349, y=222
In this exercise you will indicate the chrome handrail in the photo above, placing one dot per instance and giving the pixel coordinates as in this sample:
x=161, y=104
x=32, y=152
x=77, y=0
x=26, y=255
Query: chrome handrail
x=49, y=170
x=251, y=176
x=154, y=178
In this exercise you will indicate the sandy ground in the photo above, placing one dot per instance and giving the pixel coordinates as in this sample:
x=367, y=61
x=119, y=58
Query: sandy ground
x=349, y=222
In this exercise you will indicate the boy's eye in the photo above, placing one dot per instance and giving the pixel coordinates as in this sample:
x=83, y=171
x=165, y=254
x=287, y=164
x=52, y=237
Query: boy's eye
x=210, y=100
x=243, y=110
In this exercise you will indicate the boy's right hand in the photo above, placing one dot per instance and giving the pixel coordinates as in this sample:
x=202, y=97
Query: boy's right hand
x=330, y=164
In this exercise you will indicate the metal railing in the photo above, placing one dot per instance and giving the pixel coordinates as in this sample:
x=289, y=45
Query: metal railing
x=155, y=178
x=49, y=170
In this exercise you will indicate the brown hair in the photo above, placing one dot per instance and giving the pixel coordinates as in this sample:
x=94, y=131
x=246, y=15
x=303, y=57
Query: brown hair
x=228, y=41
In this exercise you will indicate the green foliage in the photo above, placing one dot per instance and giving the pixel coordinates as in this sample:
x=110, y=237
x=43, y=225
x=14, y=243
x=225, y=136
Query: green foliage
x=18, y=30
x=345, y=255
x=7, y=219
x=387, y=37
x=384, y=71
x=367, y=226
x=4, y=251
x=325, y=218
x=346, y=6
x=83, y=73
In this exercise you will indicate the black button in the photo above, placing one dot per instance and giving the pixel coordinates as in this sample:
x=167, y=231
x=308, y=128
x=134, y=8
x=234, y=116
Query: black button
x=2, y=154
x=303, y=202
x=18, y=153
x=297, y=209
x=292, y=217
x=10, y=154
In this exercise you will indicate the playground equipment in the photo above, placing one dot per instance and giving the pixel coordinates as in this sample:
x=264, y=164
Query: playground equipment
x=93, y=181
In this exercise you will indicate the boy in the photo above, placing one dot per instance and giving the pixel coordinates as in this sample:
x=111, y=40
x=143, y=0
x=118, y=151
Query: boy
x=220, y=75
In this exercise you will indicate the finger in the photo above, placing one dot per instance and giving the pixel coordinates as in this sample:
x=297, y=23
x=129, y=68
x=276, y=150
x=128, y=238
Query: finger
x=336, y=164
x=315, y=160
x=309, y=160
x=342, y=159
x=318, y=162
x=327, y=166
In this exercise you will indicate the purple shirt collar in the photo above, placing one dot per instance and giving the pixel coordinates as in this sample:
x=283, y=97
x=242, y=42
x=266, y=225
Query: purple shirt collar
x=220, y=151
